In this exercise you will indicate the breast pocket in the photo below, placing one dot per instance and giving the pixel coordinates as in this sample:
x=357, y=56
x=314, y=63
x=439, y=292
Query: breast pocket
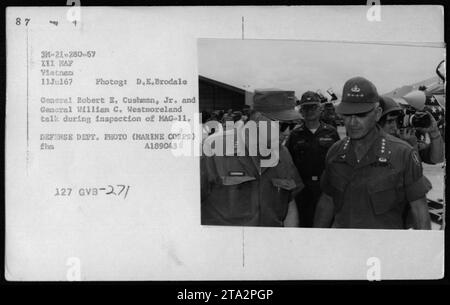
x=383, y=193
x=325, y=142
x=234, y=200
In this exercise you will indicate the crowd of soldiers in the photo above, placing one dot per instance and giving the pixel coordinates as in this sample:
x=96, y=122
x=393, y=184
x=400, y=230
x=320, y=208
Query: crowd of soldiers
x=372, y=178
x=327, y=115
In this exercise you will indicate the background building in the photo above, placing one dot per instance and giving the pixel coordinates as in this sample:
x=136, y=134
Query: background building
x=215, y=95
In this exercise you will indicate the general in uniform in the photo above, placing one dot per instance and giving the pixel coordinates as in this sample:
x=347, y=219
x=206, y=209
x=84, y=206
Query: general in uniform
x=370, y=176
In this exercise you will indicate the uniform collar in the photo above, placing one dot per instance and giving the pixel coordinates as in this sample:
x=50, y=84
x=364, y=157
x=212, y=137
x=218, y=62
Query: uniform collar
x=378, y=151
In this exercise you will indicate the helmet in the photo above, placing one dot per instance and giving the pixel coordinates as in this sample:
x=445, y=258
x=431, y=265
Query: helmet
x=388, y=105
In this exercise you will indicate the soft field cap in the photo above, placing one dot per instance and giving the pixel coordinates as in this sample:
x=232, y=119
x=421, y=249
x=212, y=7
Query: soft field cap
x=358, y=96
x=278, y=105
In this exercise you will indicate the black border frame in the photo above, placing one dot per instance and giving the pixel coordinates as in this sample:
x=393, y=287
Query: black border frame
x=167, y=290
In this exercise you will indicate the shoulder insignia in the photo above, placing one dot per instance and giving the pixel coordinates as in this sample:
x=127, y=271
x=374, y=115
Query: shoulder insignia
x=415, y=157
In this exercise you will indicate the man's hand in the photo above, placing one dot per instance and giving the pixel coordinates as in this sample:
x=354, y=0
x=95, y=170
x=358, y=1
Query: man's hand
x=409, y=135
x=291, y=219
x=436, y=145
x=433, y=128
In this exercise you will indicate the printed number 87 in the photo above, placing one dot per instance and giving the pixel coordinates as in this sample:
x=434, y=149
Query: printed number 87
x=19, y=21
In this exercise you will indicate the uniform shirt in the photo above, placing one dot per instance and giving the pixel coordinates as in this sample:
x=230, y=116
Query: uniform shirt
x=235, y=190
x=373, y=192
x=308, y=150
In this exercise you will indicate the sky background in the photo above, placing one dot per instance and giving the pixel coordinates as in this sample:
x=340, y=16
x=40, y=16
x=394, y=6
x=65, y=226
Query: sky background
x=303, y=65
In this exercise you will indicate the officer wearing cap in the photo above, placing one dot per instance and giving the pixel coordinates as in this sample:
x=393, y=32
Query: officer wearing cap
x=308, y=144
x=370, y=176
x=238, y=188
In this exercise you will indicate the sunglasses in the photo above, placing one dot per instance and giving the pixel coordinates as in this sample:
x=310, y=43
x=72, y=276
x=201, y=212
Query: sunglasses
x=309, y=107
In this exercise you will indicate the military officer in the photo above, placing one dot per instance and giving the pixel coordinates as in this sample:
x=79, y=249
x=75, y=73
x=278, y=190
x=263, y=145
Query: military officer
x=308, y=144
x=236, y=189
x=370, y=176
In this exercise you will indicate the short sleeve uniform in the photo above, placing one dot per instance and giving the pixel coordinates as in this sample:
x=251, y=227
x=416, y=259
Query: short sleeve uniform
x=373, y=192
x=237, y=191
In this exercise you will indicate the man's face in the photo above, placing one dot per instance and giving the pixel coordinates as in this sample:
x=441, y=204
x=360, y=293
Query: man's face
x=359, y=125
x=267, y=139
x=390, y=125
x=311, y=111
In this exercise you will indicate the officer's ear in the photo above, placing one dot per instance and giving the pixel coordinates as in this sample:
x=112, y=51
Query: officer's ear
x=378, y=111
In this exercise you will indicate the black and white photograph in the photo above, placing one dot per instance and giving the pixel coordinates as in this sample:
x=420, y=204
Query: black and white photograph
x=224, y=143
x=361, y=134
